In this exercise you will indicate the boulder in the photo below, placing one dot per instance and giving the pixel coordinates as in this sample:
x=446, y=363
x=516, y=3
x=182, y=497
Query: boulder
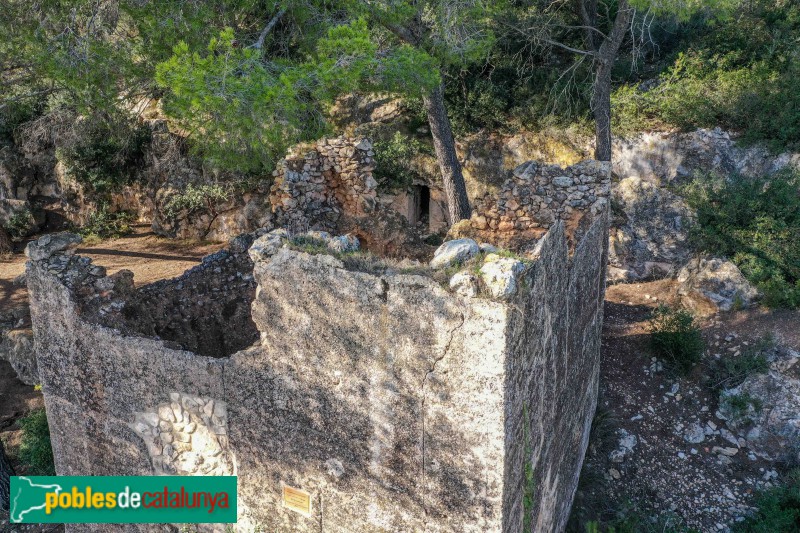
x=771, y=421
x=48, y=245
x=344, y=243
x=464, y=284
x=712, y=284
x=500, y=274
x=16, y=347
x=267, y=245
x=455, y=251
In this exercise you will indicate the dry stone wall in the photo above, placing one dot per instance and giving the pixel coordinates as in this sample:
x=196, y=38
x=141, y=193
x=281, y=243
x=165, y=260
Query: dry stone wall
x=534, y=197
x=397, y=404
x=332, y=177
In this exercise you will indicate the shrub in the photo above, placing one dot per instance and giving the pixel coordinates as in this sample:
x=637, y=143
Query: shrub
x=393, y=162
x=104, y=156
x=105, y=224
x=193, y=199
x=740, y=407
x=35, y=451
x=778, y=509
x=19, y=224
x=757, y=224
x=729, y=372
x=675, y=337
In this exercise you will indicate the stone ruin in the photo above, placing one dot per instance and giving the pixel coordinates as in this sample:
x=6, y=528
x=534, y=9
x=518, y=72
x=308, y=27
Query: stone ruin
x=397, y=401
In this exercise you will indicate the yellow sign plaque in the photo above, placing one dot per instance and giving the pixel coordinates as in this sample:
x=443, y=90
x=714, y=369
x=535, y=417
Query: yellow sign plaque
x=297, y=500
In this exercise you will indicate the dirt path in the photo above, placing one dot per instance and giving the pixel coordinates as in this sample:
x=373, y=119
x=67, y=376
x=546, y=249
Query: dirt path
x=663, y=473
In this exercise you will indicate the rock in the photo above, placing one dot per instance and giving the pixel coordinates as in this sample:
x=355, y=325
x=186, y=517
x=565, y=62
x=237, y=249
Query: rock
x=625, y=445
x=695, y=434
x=344, y=243
x=562, y=181
x=772, y=418
x=455, y=251
x=730, y=452
x=488, y=248
x=714, y=284
x=48, y=245
x=649, y=237
x=465, y=284
x=614, y=473
x=499, y=274
x=267, y=245
x=16, y=347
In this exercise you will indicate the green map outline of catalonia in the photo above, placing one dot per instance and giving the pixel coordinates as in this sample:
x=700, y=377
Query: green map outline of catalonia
x=16, y=516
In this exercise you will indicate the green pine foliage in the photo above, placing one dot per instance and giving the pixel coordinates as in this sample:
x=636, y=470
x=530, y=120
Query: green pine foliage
x=755, y=222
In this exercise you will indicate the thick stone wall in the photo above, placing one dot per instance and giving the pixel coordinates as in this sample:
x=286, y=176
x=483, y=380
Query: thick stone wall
x=535, y=196
x=398, y=405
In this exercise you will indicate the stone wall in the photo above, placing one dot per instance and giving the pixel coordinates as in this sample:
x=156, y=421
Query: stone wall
x=398, y=405
x=534, y=197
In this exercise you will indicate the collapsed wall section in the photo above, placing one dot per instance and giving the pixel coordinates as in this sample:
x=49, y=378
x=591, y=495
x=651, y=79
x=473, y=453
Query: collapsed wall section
x=396, y=404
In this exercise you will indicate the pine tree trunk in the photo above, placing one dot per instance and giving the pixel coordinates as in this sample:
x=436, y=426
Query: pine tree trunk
x=454, y=187
x=601, y=108
x=6, y=471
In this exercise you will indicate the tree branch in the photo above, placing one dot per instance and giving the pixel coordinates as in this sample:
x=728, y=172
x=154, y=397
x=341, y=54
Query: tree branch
x=268, y=28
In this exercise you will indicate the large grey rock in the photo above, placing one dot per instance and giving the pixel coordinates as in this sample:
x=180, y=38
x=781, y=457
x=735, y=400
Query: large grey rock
x=771, y=421
x=650, y=234
x=714, y=282
x=670, y=157
x=48, y=245
x=500, y=275
x=455, y=251
x=16, y=347
x=267, y=245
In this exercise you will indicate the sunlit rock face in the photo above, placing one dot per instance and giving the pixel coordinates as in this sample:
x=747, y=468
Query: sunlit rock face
x=396, y=403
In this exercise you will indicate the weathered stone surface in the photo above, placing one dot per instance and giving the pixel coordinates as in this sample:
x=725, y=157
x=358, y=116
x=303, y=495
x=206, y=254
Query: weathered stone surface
x=771, y=421
x=650, y=234
x=50, y=244
x=16, y=347
x=500, y=275
x=465, y=284
x=714, y=284
x=455, y=251
x=398, y=405
x=344, y=243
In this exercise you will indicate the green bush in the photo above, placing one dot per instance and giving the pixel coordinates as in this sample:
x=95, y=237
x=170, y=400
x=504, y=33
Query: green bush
x=778, y=509
x=740, y=407
x=675, y=337
x=740, y=73
x=729, y=372
x=19, y=224
x=195, y=198
x=35, y=451
x=105, y=224
x=755, y=222
x=393, y=162
x=105, y=155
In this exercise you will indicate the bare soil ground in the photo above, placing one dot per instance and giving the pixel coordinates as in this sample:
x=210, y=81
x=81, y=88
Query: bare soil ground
x=663, y=472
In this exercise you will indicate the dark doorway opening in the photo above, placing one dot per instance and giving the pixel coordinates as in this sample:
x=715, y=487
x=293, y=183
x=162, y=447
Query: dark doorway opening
x=422, y=204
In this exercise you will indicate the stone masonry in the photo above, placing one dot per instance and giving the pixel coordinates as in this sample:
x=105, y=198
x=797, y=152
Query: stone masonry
x=332, y=177
x=397, y=404
x=535, y=196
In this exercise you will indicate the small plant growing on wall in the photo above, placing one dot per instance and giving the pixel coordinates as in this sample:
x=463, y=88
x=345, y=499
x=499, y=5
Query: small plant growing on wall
x=676, y=337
